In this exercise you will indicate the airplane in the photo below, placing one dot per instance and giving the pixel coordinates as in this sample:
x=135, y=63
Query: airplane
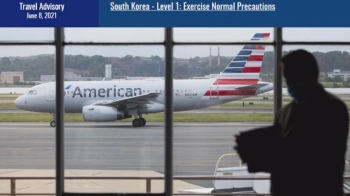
x=109, y=101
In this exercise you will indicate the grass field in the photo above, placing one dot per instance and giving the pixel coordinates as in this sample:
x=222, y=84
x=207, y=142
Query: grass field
x=7, y=106
x=149, y=118
x=8, y=97
x=226, y=106
x=159, y=117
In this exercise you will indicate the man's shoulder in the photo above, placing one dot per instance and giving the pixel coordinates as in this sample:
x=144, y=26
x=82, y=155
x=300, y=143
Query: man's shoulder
x=334, y=100
x=285, y=109
x=331, y=104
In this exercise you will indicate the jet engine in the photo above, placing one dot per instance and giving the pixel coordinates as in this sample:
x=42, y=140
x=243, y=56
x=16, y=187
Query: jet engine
x=93, y=113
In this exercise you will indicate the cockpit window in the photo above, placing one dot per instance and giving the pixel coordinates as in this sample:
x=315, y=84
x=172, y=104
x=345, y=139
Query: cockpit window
x=32, y=92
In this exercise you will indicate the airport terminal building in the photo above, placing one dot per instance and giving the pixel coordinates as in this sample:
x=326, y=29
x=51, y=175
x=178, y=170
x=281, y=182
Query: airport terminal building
x=11, y=77
x=336, y=72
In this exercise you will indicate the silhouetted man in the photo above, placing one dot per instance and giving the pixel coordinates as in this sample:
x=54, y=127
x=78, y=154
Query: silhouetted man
x=307, y=152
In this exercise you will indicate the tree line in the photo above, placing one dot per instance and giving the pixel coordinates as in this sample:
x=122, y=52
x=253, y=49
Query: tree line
x=94, y=66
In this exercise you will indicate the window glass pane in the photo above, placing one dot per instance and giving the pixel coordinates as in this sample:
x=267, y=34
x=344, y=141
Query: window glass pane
x=206, y=119
x=220, y=34
x=114, y=148
x=114, y=34
x=27, y=34
x=27, y=142
x=316, y=34
x=334, y=63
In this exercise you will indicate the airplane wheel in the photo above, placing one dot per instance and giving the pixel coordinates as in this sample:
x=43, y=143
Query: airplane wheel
x=143, y=122
x=52, y=123
x=136, y=123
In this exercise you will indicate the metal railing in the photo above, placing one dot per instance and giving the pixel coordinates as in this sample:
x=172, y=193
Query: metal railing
x=147, y=178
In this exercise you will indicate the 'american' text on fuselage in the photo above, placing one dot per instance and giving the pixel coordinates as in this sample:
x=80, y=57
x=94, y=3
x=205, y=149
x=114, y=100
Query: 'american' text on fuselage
x=107, y=92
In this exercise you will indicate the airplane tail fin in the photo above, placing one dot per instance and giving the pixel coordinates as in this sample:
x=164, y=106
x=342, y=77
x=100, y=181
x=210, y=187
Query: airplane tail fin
x=245, y=68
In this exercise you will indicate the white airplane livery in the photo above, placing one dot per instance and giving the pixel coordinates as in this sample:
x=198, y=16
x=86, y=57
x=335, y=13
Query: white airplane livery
x=108, y=101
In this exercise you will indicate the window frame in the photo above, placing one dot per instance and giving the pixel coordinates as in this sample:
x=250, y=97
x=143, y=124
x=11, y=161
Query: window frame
x=59, y=44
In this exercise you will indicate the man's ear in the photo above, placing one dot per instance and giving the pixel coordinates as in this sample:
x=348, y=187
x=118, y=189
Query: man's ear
x=281, y=64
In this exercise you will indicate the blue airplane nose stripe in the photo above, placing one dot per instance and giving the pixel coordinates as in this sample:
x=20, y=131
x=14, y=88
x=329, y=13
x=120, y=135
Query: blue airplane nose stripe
x=68, y=87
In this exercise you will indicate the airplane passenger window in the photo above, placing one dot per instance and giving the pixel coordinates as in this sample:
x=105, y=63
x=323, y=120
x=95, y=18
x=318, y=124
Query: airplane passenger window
x=143, y=91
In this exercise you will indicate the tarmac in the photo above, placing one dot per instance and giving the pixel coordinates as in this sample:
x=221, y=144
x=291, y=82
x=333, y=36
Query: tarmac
x=119, y=150
x=114, y=149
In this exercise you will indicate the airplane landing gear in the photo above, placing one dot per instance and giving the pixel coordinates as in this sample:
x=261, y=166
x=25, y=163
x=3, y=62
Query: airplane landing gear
x=53, y=123
x=139, y=122
x=143, y=121
x=136, y=123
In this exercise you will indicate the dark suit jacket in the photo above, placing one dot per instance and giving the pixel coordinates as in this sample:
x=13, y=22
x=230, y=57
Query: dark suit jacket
x=307, y=155
x=312, y=157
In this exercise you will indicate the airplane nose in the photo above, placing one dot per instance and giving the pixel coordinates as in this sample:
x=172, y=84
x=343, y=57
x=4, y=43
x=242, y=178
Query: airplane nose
x=17, y=103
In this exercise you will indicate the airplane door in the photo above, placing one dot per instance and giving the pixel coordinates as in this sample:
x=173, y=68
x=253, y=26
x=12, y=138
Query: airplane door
x=214, y=91
x=50, y=94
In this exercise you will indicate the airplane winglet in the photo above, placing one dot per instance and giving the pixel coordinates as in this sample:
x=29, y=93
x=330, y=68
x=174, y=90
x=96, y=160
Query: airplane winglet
x=251, y=87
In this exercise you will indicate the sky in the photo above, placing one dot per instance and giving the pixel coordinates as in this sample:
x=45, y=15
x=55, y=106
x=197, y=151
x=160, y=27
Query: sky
x=157, y=35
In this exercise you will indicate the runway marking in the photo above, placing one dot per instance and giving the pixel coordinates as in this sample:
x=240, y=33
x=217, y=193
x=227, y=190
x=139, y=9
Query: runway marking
x=26, y=188
x=93, y=182
x=143, y=150
x=50, y=183
x=197, y=146
x=7, y=172
x=125, y=165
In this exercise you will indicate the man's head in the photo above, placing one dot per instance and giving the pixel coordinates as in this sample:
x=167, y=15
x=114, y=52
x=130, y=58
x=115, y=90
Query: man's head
x=300, y=66
x=300, y=70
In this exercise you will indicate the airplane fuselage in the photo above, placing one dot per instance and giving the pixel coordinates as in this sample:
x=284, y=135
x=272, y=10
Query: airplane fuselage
x=187, y=94
x=106, y=101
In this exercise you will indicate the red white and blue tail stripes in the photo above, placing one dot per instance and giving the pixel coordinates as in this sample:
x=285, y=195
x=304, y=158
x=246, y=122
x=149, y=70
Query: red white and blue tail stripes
x=246, y=66
x=243, y=70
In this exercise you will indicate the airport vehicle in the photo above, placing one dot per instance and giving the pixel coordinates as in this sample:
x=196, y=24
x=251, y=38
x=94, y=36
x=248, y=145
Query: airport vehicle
x=108, y=101
x=249, y=186
x=257, y=183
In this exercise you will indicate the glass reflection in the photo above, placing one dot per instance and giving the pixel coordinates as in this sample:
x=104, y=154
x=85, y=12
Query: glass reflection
x=316, y=34
x=114, y=34
x=114, y=121
x=26, y=34
x=193, y=35
x=203, y=137
x=27, y=143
